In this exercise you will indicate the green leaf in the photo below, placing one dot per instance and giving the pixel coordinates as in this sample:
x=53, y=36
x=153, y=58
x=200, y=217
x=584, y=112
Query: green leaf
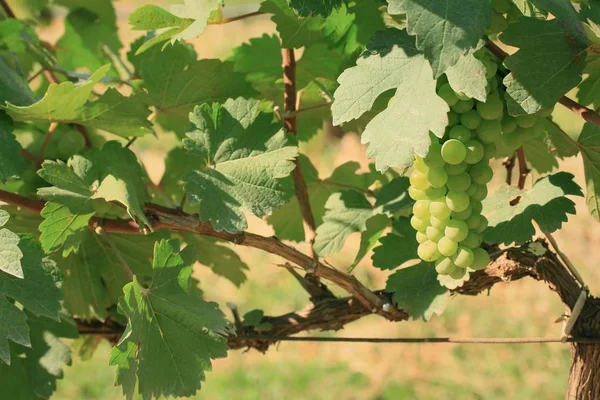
x=589, y=89
x=467, y=76
x=561, y=145
x=295, y=32
x=171, y=334
x=374, y=228
x=396, y=247
x=305, y=8
x=11, y=161
x=245, y=158
x=67, y=103
x=62, y=228
x=545, y=203
x=417, y=291
x=10, y=254
x=529, y=9
x=538, y=154
x=588, y=142
x=102, y=8
x=549, y=63
x=111, y=173
x=446, y=29
x=402, y=129
x=14, y=327
x=13, y=87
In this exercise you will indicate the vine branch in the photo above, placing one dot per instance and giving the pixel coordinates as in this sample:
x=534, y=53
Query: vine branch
x=523, y=170
x=9, y=12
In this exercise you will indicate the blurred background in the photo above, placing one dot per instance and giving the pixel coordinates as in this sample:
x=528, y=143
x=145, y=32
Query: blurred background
x=362, y=371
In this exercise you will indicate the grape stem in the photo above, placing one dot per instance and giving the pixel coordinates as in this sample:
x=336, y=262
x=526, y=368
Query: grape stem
x=509, y=164
x=584, y=112
x=523, y=170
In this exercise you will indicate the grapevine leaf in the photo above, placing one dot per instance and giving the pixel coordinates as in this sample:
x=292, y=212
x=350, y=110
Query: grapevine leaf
x=588, y=141
x=14, y=327
x=561, y=145
x=529, y=9
x=445, y=29
x=305, y=8
x=589, y=89
x=11, y=161
x=417, y=291
x=246, y=156
x=294, y=31
x=402, y=129
x=393, y=196
x=374, y=228
x=13, y=88
x=545, y=203
x=468, y=76
x=171, y=334
x=67, y=102
x=62, y=228
x=549, y=62
x=10, y=254
x=396, y=247
x=102, y=8
x=539, y=155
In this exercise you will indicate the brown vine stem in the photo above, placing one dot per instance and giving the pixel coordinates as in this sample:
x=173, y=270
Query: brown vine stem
x=51, y=130
x=237, y=18
x=31, y=157
x=584, y=112
x=509, y=164
x=523, y=170
x=9, y=12
x=163, y=218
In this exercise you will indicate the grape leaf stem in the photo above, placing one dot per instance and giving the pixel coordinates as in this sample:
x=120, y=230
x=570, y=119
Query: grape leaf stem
x=523, y=170
x=7, y=10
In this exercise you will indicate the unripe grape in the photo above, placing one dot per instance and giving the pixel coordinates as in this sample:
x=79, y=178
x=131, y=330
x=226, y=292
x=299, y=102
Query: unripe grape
x=416, y=194
x=473, y=221
x=492, y=109
x=434, y=234
x=437, y=177
x=537, y=130
x=453, y=118
x=444, y=266
x=481, y=173
x=456, y=230
x=489, y=151
x=490, y=68
x=439, y=223
x=480, y=194
x=434, y=155
x=483, y=224
x=439, y=209
x=472, y=241
x=447, y=94
x=481, y=259
x=492, y=86
x=462, y=96
x=456, y=169
x=419, y=164
x=474, y=152
x=447, y=247
x=477, y=206
x=454, y=151
x=489, y=130
x=470, y=119
x=527, y=121
x=435, y=193
x=464, y=257
x=421, y=209
x=418, y=224
x=419, y=180
x=460, y=182
x=458, y=274
x=472, y=189
x=512, y=140
x=509, y=124
x=428, y=251
x=462, y=215
x=546, y=112
x=462, y=106
x=460, y=132
x=457, y=201
x=421, y=237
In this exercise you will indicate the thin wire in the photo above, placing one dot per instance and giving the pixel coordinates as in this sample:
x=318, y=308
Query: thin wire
x=435, y=340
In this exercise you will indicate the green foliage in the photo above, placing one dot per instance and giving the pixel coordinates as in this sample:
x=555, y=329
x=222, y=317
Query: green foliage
x=313, y=7
x=588, y=144
x=11, y=161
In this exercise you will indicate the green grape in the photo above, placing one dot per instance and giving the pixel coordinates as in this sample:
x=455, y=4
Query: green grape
x=460, y=132
x=420, y=165
x=439, y=223
x=483, y=224
x=457, y=201
x=419, y=180
x=456, y=169
x=464, y=257
x=472, y=241
x=526, y=121
x=481, y=173
x=421, y=237
x=490, y=68
x=537, y=130
x=473, y=221
x=418, y=224
x=444, y=266
x=512, y=140
x=454, y=151
x=501, y=6
x=447, y=94
x=474, y=152
x=509, y=124
x=101, y=206
x=477, y=206
x=470, y=120
x=462, y=106
x=439, y=209
x=428, y=251
x=417, y=194
x=481, y=259
x=472, y=189
x=456, y=230
x=492, y=85
x=489, y=130
x=462, y=96
x=459, y=183
x=489, y=151
x=434, y=234
x=447, y=247
x=421, y=209
x=437, y=177
x=546, y=112
x=499, y=24
x=434, y=155
x=435, y=193
x=462, y=215
x=453, y=118
x=492, y=109
x=458, y=274
x=480, y=194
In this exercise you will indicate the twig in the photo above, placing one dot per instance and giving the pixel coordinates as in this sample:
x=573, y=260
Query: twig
x=305, y=109
x=9, y=12
x=32, y=77
x=86, y=136
x=570, y=266
x=584, y=112
x=509, y=164
x=574, y=315
x=313, y=287
x=131, y=141
x=237, y=18
x=51, y=130
x=523, y=170
x=31, y=157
